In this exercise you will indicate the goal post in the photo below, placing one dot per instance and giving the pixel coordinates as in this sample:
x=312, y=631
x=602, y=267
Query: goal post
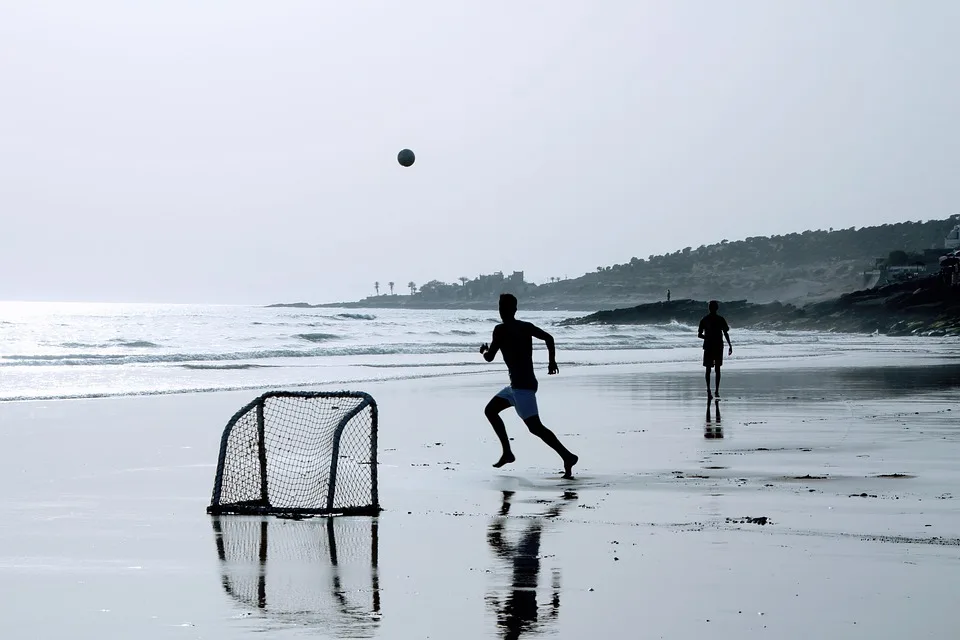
x=299, y=452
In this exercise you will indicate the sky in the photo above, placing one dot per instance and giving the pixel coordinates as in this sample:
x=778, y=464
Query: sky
x=245, y=152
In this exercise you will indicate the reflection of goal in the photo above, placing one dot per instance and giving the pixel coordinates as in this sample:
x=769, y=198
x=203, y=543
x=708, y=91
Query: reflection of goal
x=315, y=572
x=305, y=452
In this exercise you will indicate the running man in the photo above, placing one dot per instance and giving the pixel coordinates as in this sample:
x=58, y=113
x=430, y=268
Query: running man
x=713, y=329
x=515, y=338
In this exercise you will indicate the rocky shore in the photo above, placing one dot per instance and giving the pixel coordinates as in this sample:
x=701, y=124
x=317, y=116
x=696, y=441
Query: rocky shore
x=919, y=307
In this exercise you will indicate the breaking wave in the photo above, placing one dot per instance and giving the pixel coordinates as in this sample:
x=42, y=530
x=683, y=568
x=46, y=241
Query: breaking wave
x=317, y=337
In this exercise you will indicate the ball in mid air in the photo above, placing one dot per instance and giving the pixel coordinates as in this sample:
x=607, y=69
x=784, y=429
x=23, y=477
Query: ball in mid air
x=406, y=157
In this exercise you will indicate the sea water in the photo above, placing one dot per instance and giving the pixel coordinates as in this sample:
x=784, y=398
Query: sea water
x=68, y=350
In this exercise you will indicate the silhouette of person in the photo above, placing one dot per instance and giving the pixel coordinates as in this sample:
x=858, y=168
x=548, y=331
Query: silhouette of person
x=519, y=612
x=713, y=329
x=515, y=338
x=668, y=295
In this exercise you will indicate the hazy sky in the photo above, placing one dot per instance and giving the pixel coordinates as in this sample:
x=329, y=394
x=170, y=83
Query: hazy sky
x=235, y=151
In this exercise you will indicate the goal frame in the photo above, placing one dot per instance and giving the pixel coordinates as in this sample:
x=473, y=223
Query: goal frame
x=263, y=506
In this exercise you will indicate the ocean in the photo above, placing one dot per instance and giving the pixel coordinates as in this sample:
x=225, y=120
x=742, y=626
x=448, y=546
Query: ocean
x=78, y=350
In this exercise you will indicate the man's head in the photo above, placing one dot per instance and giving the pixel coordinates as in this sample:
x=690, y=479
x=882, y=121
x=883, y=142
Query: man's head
x=508, y=306
x=713, y=306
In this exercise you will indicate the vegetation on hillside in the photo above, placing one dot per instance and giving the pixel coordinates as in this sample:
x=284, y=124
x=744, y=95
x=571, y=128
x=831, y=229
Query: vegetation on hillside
x=796, y=267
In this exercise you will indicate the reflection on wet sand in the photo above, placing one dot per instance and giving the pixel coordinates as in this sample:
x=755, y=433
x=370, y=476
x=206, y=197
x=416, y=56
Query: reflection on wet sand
x=517, y=610
x=711, y=430
x=315, y=572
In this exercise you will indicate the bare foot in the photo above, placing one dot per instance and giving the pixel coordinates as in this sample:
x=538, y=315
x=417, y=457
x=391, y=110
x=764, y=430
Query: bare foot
x=506, y=458
x=568, y=466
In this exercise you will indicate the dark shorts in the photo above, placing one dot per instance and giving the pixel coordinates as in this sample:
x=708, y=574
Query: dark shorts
x=713, y=357
x=523, y=400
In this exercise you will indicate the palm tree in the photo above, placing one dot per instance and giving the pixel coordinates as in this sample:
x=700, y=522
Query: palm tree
x=391, y=287
x=463, y=280
x=413, y=287
x=376, y=287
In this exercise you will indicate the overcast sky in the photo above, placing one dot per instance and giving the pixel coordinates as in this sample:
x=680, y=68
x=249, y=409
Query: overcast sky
x=236, y=151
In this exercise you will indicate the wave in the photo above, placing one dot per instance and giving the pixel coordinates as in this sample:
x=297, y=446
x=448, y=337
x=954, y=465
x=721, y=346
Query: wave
x=317, y=337
x=463, y=332
x=225, y=367
x=116, y=342
x=100, y=359
x=355, y=316
x=226, y=388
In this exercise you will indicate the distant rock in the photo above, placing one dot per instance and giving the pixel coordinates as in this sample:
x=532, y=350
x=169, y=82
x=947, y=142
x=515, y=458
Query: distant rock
x=293, y=305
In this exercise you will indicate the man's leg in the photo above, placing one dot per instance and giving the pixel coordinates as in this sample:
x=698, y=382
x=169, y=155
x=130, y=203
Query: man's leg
x=718, y=382
x=706, y=376
x=492, y=411
x=536, y=428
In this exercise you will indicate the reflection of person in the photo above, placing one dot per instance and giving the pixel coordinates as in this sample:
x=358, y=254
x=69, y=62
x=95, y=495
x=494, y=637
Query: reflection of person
x=515, y=338
x=519, y=611
x=709, y=431
x=713, y=329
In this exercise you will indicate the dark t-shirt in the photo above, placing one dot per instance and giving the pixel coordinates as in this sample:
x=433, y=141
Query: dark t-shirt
x=515, y=340
x=712, y=326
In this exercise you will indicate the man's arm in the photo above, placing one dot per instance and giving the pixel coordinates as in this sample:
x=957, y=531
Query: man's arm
x=490, y=351
x=700, y=330
x=537, y=332
x=726, y=334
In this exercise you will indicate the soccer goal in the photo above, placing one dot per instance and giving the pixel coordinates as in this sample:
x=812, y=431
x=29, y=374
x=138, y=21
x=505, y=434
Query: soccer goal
x=318, y=572
x=308, y=453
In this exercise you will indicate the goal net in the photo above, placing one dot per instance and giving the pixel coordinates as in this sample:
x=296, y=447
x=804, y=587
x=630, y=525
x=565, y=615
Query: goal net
x=318, y=572
x=289, y=452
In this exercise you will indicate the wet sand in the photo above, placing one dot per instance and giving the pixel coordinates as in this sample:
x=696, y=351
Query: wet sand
x=820, y=502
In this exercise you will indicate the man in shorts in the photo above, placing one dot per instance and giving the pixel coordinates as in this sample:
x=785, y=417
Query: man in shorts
x=515, y=339
x=713, y=329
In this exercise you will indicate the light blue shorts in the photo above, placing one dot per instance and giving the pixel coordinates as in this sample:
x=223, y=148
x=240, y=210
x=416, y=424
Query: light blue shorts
x=523, y=400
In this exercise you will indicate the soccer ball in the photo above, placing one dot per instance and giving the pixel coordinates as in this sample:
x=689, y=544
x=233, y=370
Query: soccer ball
x=406, y=157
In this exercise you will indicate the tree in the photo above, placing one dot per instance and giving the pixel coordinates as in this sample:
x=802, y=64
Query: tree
x=376, y=287
x=897, y=258
x=463, y=280
x=391, y=287
x=413, y=287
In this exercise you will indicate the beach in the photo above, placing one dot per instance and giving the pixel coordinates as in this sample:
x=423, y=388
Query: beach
x=826, y=509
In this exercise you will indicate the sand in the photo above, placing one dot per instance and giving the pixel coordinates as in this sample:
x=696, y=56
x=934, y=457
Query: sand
x=828, y=508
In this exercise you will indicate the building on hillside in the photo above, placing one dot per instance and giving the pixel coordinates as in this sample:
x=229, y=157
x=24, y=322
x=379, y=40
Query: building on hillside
x=906, y=272
x=950, y=268
x=952, y=241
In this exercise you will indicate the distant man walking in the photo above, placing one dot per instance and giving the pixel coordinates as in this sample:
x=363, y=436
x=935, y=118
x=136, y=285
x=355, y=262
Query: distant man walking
x=713, y=329
x=515, y=338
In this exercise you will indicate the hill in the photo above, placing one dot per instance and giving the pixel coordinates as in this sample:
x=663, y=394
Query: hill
x=796, y=268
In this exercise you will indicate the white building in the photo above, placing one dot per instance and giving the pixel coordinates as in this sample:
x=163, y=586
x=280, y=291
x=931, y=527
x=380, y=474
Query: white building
x=952, y=241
